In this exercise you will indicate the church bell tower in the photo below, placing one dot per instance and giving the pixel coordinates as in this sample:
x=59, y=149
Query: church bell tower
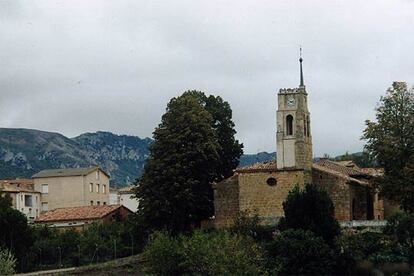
x=294, y=138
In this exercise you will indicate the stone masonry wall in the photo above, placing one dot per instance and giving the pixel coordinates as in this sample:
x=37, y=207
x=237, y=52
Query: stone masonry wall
x=359, y=196
x=226, y=201
x=338, y=190
x=265, y=200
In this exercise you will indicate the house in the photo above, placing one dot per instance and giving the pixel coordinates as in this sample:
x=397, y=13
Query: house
x=113, y=196
x=127, y=198
x=24, y=197
x=72, y=187
x=263, y=187
x=79, y=218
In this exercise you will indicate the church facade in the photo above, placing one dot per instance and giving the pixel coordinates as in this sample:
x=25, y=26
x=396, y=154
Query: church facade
x=262, y=188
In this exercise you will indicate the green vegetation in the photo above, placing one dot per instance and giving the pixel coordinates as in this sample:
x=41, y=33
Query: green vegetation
x=203, y=253
x=391, y=141
x=15, y=234
x=310, y=209
x=7, y=262
x=175, y=190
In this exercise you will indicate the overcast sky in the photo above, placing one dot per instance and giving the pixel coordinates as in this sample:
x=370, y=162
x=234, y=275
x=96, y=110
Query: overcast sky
x=82, y=66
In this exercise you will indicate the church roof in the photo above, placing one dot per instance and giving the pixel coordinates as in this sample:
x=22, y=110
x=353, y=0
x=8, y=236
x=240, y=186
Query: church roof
x=267, y=166
x=338, y=167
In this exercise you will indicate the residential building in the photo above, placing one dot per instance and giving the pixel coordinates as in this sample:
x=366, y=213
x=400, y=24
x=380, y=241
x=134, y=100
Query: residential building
x=127, y=198
x=72, y=187
x=79, y=218
x=24, y=197
x=113, y=196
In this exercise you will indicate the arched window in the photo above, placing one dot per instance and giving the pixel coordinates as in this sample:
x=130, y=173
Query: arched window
x=308, y=126
x=289, y=125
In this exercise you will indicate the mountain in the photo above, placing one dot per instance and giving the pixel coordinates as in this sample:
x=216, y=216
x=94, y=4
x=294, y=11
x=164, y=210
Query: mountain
x=247, y=159
x=24, y=152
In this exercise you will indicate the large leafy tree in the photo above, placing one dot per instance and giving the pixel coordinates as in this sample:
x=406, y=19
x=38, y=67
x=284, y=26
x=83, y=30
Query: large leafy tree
x=174, y=190
x=230, y=149
x=390, y=139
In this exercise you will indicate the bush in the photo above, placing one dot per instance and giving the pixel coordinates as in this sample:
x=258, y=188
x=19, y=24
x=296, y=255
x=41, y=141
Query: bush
x=249, y=225
x=400, y=228
x=310, y=209
x=204, y=253
x=7, y=262
x=300, y=252
x=164, y=254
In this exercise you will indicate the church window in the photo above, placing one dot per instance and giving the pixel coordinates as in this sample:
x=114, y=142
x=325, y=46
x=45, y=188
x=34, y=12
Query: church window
x=289, y=125
x=307, y=126
x=271, y=181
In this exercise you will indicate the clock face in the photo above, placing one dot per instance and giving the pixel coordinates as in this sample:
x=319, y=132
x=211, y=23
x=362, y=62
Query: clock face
x=291, y=101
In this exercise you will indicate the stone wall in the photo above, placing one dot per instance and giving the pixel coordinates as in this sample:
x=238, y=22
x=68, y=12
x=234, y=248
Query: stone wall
x=257, y=196
x=359, y=195
x=226, y=201
x=338, y=190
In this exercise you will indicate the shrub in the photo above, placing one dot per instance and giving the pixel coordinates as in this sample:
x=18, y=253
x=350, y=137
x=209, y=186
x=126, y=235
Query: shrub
x=218, y=253
x=400, y=228
x=164, y=254
x=310, y=209
x=249, y=225
x=203, y=253
x=7, y=262
x=300, y=252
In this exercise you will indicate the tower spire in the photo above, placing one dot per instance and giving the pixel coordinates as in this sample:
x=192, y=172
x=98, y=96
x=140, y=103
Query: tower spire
x=301, y=71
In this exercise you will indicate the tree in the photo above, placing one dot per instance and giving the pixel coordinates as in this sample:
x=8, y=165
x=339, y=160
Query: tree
x=175, y=191
x=310, y=209
x=391, y=141
x=15, y=234
x=230, y=149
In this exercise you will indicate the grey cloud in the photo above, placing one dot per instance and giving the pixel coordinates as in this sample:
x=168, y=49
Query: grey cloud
x=81, y=66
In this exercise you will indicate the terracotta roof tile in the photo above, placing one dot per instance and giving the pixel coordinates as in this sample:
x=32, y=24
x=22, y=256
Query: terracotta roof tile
x=349, y=171
x=259, y=167
x=77, y=213
x=17, y=185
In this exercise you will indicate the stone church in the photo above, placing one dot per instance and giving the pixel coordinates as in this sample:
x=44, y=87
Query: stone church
x=262, y=187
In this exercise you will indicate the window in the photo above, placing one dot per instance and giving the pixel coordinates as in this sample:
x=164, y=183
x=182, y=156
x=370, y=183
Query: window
x=90, y=187
x=98, y=203
x=289, y=125
x=308, y=126
x=97, y=188
x=21, y=197
x=45, y=188
x=104, y=203
x=91, y=202
x=45, y=206
x=28, y=201
x=271, y=181
x=97, y=174
x=104, y=189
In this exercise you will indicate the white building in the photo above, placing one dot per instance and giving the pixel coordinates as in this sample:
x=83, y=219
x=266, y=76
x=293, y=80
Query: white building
x=24, y=197
x=127, y=199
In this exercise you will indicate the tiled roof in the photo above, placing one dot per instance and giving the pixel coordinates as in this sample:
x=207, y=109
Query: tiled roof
x=77, y=213
x=126, y=190
x=373, y=171
x=17, y=185
x=349, y=171
x=259, y=167
x=67, y=172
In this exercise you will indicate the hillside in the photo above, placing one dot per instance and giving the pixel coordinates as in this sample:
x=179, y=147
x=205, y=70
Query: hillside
x=24, y=152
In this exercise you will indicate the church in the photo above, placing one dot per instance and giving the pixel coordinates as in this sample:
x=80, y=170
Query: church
x=262, y=188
